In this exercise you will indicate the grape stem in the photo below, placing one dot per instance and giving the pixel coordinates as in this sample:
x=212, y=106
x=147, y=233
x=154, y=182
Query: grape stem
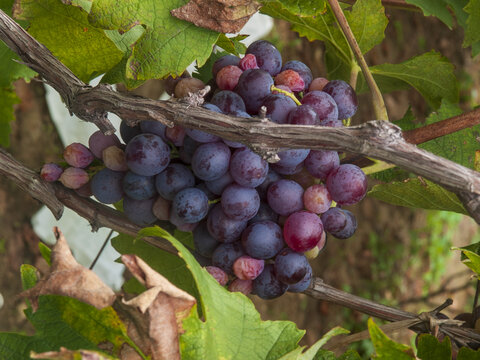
x=377, y=98
x=286, y=93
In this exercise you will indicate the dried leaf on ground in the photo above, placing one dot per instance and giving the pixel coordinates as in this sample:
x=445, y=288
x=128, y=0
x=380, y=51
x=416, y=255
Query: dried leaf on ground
x=69, y=278
x=226, y=16
x=165, y=305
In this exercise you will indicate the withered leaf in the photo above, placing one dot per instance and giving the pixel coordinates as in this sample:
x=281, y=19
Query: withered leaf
x=69, y=278
x=226, y=16
x=165, y=305
x=65, y=354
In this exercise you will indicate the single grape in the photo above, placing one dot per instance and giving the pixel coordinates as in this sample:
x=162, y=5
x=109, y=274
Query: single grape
x=317, y=199
x=267, y=286
x=239, y=285
x=225, y=255
x=320, y=163
x=51, y=172
x=247, y=268
x=334, y=220
x=239, y=202
x=204, y=243
x=114, y=158
x=292, y=157
x=278, y=107
x=139, y=211
x=303, y=284
x=302, y=231
x=218, y=274
x=247, y=168
x=174, y=178
x=74, y=178
x=170, y=82
x=302, y=69
x=318, y=84
x=188, y=86
x=263, y=239
x=285, y=197
x=228, y=101
x=292, y=79
x=201, y=136
x=224, y=61
x=227, y=77
x=147, y=154
x=344, y=96
x=138, y=187
x=249, y=61
x=303, y=115
x=350, y=226
x=323, y=104
x=264, y=212
x=161, y=208
x=287, y=170
x=107, y=187
x=222, y=228
x=129, y=132
x=218, y=185
x=175, y=134
x=211, y=161
x=313, y=253
x=253, y=86
x=77, y=155
x=290, y=266
x=190, y=205
x=347, y=184
x=153, y=127
x=262, y=189
x=267, y=56
x=98, y=141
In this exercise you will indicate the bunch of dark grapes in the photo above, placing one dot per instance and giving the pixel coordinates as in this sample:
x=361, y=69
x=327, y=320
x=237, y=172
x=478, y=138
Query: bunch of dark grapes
x=257, y=223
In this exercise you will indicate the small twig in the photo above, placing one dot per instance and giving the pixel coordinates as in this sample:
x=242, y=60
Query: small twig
x=377, y=98
x=101, y=249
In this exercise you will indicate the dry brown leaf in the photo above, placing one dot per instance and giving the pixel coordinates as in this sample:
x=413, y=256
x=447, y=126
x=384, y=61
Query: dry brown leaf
x=69, y=278
x=165, y=305
x=65, y=354
x=226, y=16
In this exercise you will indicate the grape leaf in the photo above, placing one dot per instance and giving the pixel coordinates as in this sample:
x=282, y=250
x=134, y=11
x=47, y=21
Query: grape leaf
x=302, y=7
x=233, y=45
x=168, y=45
x=89, y=52
x=430, y=348
x=204, y=72
x=436, y=8
x=385, y=348
x=470, y=257
x=472, y=29
x=243, y=335
x=416, y=193
x=8, y=99
x=468, y=354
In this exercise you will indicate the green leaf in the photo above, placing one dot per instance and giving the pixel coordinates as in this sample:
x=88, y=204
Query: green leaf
x=470, y=258
x=436, y=8
x=45, y=251
x=468, y=354
x=385, y=348
x=28, y=273
x=301, y=7
x=186, y=238
x=169, y=265
x=232, y=327
x=168, y=45
x=66, y=32
x=62, y=321
x=8, y=99
x=472, y=29
x=416, y=193
x=204, y=72
x=430, y=348
x=232, y=44
x=133, y=286
x=430, y=74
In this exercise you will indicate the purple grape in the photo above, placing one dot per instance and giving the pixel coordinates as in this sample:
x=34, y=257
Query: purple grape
x=334, y=220
x=267, y=286
x=263, y=239
x=302, y=231
x=129, y=132
x=98, y=142
x=212, y=107
x=332, y=123
x=287, y=170
x=77, y=155
x=303, y=284
x=224, y=61
x=202, y=136
x=204, y=243
x=51, y=172
x=247, y=268
x=180, y=224
x=74, y=178
x=174, y=178
x=318, y=84
x=290, y=79
x=303, y=115
x=147, y=155
x=222, y=228
x=302, y=69
x=114, y=158
x=247, y=168
x=161, y=208
x=267, y=56
x=153, y=127
x=176, y=135
x=225, y=255
x=320, y=163
x=190, y=205
x=218, y=274
x=285, y=197
x=239, y=285
x=290, y=266
x=253, y=86
x=211, y=161
x=218, y=185
x=239, y=202
x=249, y=61
x=138, y=187
x=292, y=157
x=228, y=101
x=139, y=211
x=278, y=107
x=317, y=199
x=185, y=153
x=107, y=187
x=344, y=96
x=323, y=104
x=227, y=77
x=264, y=212
x=347, y=184
x=350, y=226
x=262, y=189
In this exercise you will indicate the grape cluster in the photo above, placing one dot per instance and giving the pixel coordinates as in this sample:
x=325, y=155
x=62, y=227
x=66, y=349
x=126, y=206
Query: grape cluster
x=258, y=223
